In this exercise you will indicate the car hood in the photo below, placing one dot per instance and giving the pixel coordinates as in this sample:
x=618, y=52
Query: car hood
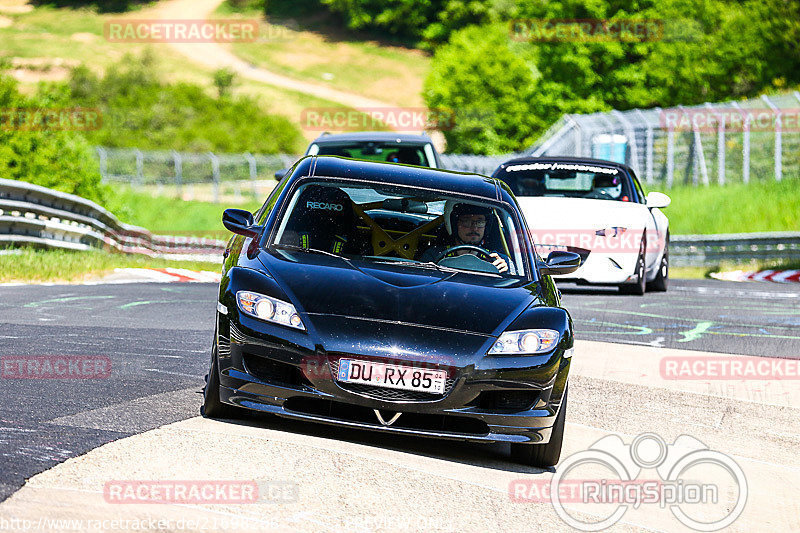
x=565, y=220
x=322, y=285
x=580, y=213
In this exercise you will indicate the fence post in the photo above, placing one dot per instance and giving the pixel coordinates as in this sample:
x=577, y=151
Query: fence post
x=627, y=127
x=720, y=144
x=578, y=139
x=215, y=174
x=670, y=155
x=648, y=148
x=251, y=161
x=778, y=138
x=139, y=168
x=177, y=163
x=745, y=143
x=103, y=155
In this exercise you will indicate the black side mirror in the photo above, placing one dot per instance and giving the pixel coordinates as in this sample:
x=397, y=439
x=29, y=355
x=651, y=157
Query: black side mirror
x=559, y=263
x=240, y=222
x=279, y=174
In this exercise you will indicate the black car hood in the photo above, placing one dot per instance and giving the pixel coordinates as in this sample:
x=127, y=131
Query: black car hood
x=389, y=293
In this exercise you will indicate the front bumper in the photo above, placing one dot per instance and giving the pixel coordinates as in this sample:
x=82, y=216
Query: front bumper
x=613, y=268
x=273, y=375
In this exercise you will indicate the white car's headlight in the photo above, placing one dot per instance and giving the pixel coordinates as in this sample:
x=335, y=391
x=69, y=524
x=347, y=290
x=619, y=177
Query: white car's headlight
x=613, y=231
x=269, y=309
x=525, y=342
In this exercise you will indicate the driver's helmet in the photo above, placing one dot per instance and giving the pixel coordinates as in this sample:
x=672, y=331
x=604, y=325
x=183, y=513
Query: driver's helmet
x=611, y=185
x=453, y=210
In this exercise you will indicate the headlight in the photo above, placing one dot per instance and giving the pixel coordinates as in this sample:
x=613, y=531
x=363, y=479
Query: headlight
x=269, y=309
x=614, y=231
x=525, y=342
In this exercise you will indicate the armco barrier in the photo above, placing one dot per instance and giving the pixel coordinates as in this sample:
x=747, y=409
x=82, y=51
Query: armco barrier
x=31, y=214
x=710, y=250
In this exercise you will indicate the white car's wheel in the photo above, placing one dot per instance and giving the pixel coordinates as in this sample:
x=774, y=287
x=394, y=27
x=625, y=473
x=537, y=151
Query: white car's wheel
x=661, y=281
x=639, y=286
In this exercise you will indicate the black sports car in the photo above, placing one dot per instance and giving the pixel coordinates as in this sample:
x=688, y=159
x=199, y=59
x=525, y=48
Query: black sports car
x=394, y=298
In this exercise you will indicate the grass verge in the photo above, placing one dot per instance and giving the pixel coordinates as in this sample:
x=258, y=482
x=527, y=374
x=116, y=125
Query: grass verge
x=29, y=264
x=170, y=216
x=735, y=208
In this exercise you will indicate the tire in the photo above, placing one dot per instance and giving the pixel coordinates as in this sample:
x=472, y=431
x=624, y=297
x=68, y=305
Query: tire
x=640, y=286
x=661, y=282
x=212, y=406
x=544, y=455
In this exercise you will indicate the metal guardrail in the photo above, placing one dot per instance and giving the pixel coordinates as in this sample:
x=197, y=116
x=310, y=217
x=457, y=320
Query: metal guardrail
x=711, y=250
x=35, y=215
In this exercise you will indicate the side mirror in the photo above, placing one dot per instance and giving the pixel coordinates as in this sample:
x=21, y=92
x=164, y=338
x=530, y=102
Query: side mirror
x=559, y=263
x=657, y=199
x=279, y=174
x=240, y=222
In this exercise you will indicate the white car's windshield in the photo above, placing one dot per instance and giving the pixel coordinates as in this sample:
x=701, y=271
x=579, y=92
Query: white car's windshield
x=572, y=180
x=407, y=226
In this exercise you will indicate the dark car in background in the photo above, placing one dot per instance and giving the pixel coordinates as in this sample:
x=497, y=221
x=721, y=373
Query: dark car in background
x=329, y=310
x=383, y=146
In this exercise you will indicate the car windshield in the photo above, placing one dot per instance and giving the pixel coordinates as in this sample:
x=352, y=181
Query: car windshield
x=408, y=227
x=571, y=180
x=406, y=153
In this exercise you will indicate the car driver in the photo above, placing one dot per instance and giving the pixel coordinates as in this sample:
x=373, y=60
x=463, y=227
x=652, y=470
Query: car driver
x=467, y=225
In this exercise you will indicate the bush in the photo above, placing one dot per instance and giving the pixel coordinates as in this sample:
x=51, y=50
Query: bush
x=140, y=111
x=60, y=160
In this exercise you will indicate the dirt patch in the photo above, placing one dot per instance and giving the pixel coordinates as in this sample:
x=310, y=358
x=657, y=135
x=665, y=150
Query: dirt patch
x=15, y=6
x=83, y=37
x=5, y=22
x=34, y=76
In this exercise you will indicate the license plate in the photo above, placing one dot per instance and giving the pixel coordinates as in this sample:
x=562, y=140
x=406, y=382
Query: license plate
x=392, y=376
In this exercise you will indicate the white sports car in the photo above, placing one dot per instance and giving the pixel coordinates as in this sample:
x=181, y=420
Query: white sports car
x=597, y=209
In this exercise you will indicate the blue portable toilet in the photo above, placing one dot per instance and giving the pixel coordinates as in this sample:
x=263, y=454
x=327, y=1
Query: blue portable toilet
x=610, y=147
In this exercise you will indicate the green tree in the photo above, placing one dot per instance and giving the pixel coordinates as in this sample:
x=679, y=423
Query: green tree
x=54, y=158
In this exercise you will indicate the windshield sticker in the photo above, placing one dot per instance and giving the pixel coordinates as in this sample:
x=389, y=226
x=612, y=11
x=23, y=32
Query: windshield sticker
x=563, y=166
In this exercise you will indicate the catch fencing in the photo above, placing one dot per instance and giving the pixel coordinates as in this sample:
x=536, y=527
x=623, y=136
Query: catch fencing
x=38, y=216
x=729, y=142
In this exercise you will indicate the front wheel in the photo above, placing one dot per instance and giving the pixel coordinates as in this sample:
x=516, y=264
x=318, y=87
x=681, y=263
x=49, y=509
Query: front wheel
x=212, y=406
x=661, y=282
x=544, y=455
x=638, y=288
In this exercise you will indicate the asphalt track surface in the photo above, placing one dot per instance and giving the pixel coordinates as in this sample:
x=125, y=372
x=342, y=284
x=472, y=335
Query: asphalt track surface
x=158, y=338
